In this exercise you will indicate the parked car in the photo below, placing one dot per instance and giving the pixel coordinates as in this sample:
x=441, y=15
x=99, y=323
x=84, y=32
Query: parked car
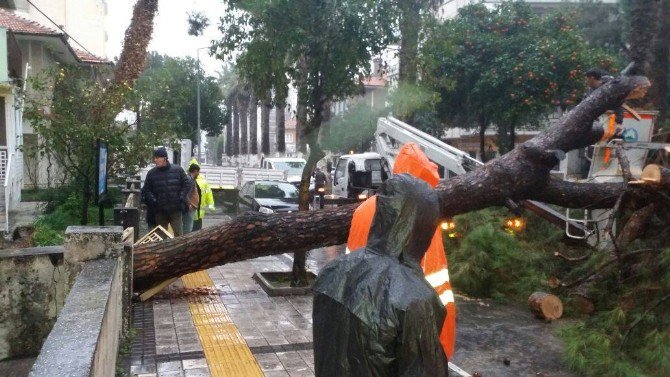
x=269, y=197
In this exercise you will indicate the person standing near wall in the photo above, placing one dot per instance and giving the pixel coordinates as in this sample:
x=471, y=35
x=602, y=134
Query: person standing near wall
x=166, y=189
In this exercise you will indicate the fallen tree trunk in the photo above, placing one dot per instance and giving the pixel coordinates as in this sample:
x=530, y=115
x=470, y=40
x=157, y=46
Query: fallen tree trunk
x=520, y=174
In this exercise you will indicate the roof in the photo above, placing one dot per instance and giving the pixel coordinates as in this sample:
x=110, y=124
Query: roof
x=375, y=80
x=86, y=57
x=22, y=26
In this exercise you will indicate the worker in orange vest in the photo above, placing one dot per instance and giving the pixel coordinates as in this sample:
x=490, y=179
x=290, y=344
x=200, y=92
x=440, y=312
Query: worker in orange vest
x=411, y=160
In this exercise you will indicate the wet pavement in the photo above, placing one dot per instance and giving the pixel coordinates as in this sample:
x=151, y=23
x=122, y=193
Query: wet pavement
x=278, y=330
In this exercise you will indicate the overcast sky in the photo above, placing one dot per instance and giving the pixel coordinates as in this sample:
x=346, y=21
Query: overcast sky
x=170, y=35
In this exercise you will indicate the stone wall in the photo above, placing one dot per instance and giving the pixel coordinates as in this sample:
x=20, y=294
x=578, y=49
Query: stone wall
x=33, y=285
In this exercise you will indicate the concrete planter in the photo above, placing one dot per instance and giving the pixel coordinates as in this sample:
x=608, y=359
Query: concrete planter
x=279, y=283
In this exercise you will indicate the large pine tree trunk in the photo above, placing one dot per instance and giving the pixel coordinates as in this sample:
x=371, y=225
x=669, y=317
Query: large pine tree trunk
x=253, y=124
x=521, y=174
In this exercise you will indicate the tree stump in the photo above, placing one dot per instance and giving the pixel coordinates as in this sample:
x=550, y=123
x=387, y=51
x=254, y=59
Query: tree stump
x=545, y=306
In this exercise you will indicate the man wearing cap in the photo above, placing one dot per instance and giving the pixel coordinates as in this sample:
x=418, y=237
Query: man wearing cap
x=166, y=189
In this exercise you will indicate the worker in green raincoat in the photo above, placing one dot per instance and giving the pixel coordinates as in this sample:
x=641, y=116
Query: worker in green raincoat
x=204, y=192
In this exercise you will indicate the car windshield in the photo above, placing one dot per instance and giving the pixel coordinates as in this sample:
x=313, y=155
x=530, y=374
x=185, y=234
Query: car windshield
x=276, y=190
x=293, y=167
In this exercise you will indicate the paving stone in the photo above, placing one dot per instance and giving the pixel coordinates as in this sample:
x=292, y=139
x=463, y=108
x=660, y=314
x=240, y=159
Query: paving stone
x=269, y=362
x=276, y=374
x=169, y=366
x=178, y=373
x=199, y=372
x=142, y=369
x=194, y=364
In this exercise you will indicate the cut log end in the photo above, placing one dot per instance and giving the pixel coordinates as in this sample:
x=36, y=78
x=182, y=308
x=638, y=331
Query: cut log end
x=545, y=306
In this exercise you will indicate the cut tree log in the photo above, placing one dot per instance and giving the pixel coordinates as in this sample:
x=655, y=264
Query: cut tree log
x=653, y=174
x=523, y=173
x=545, y=306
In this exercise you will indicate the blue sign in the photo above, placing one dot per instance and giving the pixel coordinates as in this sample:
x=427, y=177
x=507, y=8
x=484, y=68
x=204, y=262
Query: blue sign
x=102, y=169
x=630, y=135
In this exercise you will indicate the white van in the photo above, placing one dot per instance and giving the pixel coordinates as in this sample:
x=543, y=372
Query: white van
x=292, y=166
x=356, y=174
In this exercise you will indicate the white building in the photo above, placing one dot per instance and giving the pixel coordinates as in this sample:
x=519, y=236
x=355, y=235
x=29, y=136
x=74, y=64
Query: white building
x=83, y=20
x=26, y=48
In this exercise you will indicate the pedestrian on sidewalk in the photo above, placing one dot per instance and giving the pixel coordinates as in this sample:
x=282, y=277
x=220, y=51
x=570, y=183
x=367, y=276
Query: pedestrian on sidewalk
x=193, y=202
x=204, y=193
x=166, y=190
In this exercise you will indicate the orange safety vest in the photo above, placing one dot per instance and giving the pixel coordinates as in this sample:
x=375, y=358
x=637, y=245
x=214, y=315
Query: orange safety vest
x=413, y=161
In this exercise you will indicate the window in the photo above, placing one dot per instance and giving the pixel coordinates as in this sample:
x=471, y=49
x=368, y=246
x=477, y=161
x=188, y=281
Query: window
x=288, y=138
x=267, y=190
x=341, y=167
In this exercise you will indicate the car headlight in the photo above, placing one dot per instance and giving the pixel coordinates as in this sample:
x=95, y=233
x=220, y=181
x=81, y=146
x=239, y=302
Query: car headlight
x=266, y=210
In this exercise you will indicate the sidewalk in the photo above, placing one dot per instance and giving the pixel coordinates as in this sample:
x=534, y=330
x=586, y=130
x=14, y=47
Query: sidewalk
x=277, y=330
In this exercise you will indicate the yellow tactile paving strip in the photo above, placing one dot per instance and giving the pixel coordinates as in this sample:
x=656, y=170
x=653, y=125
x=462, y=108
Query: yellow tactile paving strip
x=226, y=351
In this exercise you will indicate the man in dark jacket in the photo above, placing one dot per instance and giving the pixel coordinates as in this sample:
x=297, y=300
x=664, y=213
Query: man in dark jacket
x=595, y=78
x=165, y=192
x=374, y=313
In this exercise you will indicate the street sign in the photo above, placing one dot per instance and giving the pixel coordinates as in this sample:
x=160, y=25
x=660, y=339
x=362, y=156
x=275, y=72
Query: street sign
x=101, y=186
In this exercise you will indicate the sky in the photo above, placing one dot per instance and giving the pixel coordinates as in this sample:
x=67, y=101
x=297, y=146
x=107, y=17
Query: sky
x=170, y=35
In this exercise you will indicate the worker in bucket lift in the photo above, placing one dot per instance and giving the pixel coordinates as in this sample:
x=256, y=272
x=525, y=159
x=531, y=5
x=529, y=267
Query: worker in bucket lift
x=413, y=161
x=374, y=313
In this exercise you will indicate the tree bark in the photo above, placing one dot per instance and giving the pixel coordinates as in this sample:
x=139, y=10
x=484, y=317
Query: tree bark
x=521, y=174
x=253, y=124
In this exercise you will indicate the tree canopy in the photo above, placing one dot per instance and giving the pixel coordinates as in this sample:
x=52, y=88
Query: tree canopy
x=505, y=66
x=166, y=95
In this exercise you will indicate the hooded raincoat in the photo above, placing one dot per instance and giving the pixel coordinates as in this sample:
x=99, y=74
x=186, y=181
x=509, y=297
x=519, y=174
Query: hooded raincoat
x=374, y=313
x=411, y=160
x=205, y=192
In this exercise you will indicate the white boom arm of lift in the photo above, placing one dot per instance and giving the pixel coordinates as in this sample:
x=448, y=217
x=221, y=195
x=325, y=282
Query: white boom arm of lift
x=392, y=133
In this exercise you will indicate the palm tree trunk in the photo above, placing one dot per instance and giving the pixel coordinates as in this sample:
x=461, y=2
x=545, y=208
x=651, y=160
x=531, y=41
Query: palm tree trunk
x=253, y=123
x=244, y=112
x=236, y=129
x=229, y=128
x=265, y=127
x=281, y=127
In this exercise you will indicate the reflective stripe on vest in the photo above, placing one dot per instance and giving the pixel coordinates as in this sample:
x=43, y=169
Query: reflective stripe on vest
x=447, y=297
x=438, y=278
